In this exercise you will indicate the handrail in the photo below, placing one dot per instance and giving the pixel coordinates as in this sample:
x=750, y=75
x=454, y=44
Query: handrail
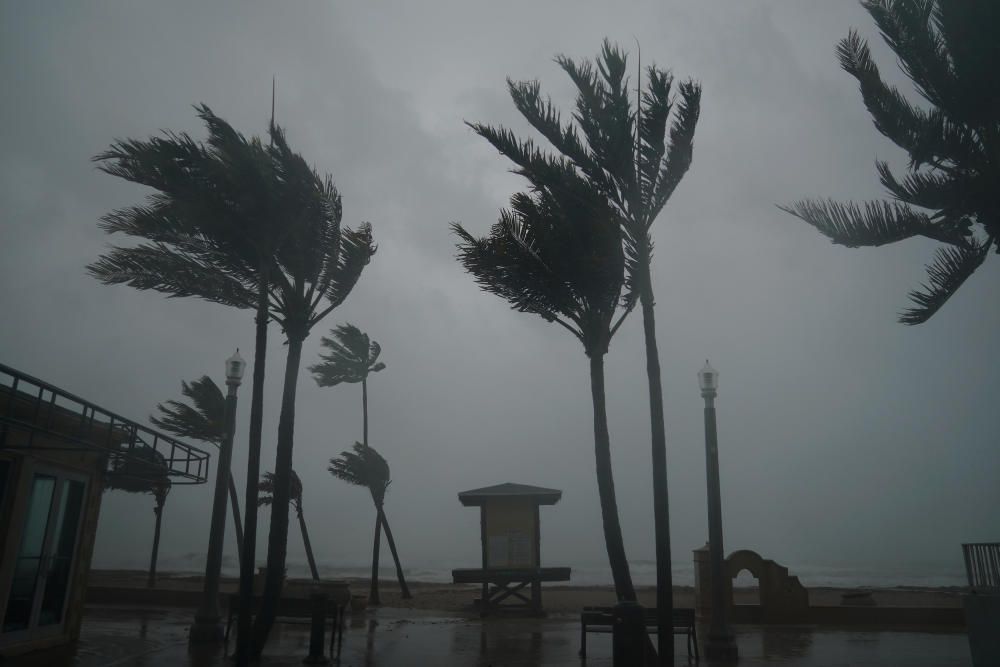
x=39, y=408
x=982, y=566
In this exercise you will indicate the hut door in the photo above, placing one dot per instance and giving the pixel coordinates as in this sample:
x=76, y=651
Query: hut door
x=36, y=604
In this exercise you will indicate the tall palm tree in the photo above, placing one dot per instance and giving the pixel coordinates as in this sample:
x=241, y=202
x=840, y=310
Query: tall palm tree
x=204, y=418
x=321, y=267
x=366, y=467
x=266, y=497
x=351, y=357
x=635, y=156
x=558, y=254
x=246, y=225
x=950, y=51
x=143, y=470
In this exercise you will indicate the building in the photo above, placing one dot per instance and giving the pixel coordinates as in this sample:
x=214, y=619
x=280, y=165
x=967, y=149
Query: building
x=55, y=451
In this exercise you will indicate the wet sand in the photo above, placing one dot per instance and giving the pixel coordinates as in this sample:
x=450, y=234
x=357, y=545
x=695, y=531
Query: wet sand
x=557, y=599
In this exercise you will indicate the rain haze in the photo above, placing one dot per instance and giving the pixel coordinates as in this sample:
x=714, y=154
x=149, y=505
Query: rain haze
x=848, y=442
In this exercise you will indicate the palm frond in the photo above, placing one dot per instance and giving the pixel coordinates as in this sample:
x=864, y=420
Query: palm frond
x=204, y=418
x=951, y=267
x=872, y=223
x=362, y=466
x=265, y=490
x=349, y=356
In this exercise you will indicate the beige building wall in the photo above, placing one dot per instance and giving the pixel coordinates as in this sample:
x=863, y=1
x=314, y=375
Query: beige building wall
x=511, y=528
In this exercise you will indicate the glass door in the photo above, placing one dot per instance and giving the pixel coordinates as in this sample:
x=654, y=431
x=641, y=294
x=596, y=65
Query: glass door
x=44, y=564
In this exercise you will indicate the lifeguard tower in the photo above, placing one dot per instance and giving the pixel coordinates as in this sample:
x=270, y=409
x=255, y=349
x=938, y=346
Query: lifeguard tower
x=511, y=542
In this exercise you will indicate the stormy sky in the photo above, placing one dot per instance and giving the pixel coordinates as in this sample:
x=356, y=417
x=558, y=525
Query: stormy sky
x=846, y=439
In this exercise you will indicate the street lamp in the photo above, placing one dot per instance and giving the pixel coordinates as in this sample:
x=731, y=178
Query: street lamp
x=208, y=621
x=721, y=645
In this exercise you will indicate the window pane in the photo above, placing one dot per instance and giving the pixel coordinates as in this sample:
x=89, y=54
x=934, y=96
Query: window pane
x=26, y=568
x=57, y=582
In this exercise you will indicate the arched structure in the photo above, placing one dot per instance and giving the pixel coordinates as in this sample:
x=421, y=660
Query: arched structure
x=782, y=597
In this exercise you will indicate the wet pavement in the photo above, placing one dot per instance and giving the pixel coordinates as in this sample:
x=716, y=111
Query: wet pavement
x=123, y=636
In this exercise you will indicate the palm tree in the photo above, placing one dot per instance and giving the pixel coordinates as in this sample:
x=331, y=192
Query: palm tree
x=635, y=156
x=204, y=418
x=321, y=267
x=351, y=356
x=949, y=50
x=245, y=225
x=143, y=470
x=558, y=254
x=266, y=497
x=366, y=467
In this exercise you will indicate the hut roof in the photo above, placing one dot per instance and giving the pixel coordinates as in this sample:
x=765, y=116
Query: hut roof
x=539, y=494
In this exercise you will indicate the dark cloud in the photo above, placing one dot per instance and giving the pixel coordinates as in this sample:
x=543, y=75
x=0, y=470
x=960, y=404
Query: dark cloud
x=846, y=439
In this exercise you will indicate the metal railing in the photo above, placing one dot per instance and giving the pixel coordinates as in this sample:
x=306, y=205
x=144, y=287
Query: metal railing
x=36, y=414
x=982, y=565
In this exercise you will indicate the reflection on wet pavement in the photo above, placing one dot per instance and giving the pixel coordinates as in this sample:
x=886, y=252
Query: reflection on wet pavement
x=124, y=636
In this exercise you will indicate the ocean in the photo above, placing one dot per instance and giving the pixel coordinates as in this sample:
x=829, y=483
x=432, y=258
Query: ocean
x=596, y=574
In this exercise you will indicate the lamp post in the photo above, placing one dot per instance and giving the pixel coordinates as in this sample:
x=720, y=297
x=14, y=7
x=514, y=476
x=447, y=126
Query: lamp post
x=721, y=645
x=207, y=621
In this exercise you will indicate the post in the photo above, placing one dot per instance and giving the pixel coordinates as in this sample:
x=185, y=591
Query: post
x=208, y=620
x=628, y=635
x=720, y=645
x=317, y=629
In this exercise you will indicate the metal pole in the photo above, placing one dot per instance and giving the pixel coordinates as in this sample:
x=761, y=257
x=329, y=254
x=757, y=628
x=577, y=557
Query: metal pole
x=208, y=621
x=721, y=644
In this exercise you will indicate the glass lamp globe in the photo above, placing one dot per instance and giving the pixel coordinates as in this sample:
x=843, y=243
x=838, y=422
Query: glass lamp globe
x=235, y=365
x=708, y=378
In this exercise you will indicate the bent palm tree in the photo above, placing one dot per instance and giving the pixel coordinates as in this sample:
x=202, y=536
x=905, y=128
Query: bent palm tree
x=351, y=356
x=635, y=156
x=249, y=226
x=366, y=467
x=558, y=254
x=949, y=50
x=212, y=229
x=203, y=419
x=144, y=470
x=317, y=273
x=266, y=497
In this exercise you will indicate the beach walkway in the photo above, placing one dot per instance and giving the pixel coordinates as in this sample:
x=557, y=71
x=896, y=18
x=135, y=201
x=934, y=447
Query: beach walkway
x=121, y=636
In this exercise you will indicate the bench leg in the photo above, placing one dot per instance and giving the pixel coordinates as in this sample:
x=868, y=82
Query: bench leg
x=583, y=640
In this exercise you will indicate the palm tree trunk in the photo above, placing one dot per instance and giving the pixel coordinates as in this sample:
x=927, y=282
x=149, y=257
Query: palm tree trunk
x=277, y=545
x=373, y=596
x=237, y=523
x=606, y=484
x=395, y=557
x=661, y=507
x=308, y=544
x=151, y=579
x=248, y=546
x=364, y=408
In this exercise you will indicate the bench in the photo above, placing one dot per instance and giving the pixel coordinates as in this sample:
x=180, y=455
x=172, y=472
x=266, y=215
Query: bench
x=602, y=620
x=293, y=608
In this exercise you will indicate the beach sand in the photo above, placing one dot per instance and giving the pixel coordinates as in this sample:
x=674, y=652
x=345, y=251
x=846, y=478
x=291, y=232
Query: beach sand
x=557, y=599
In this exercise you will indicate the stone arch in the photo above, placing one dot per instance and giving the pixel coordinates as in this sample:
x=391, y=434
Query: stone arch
x=782, y=596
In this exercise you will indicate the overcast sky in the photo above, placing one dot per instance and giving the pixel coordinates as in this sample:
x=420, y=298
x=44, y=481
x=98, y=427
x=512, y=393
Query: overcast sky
x=846, y=439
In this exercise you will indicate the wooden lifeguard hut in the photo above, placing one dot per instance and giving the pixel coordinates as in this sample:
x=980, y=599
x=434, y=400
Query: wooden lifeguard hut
x=511, y=541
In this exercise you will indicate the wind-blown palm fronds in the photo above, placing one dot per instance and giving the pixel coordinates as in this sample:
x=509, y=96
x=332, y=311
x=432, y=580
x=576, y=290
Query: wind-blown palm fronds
x=363, y=466
x=143, y=470
x=204, y=418
x=949, y=50
x=635, y=155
